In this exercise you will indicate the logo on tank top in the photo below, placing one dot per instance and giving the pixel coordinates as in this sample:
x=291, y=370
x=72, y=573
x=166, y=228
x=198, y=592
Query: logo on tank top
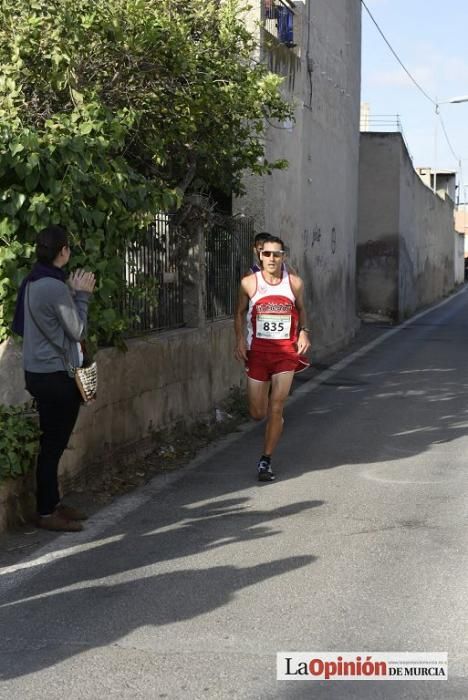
x=274, y=308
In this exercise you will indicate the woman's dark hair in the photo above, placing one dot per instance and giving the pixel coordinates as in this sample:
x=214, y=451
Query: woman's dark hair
x=49, y=243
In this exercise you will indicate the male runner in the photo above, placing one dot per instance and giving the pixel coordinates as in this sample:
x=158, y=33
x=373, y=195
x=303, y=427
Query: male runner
x=259, y=240
x=273, y=300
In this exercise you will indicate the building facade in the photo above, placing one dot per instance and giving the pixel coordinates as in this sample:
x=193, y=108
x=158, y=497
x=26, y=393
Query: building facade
x=316, y=46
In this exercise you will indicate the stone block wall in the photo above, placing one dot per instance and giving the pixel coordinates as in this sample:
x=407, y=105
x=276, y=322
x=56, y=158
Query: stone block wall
x=163, y=378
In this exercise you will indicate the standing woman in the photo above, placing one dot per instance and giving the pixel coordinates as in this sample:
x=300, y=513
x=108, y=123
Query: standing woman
x=51, y=315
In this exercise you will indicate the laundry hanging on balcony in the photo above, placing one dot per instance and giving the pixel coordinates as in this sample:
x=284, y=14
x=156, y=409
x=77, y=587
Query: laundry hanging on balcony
x=284, y=18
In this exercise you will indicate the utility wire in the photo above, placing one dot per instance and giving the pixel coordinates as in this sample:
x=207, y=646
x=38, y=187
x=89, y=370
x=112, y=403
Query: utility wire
x=397, y=57
x=448, y=140
x=431, y=100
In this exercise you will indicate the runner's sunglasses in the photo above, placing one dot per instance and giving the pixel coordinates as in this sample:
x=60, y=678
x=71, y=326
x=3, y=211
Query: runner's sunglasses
x=275, y=253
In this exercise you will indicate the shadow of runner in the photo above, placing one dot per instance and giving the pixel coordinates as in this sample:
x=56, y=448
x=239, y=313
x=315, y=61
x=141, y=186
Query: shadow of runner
x=63, y=624
x=148, y=537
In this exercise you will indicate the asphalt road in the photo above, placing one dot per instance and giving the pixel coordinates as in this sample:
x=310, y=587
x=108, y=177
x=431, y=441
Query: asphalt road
x=188, y=587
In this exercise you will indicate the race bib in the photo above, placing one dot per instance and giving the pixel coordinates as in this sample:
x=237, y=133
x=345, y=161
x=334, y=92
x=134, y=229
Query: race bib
x=273, y=327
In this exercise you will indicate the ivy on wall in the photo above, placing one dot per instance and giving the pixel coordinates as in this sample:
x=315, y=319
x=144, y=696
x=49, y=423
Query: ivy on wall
x=19, y=442
x=71, y=172
x=113, y=110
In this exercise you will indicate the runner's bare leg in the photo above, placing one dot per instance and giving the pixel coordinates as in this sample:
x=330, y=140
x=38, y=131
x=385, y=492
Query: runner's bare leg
x=280, y=387
x=257, y=394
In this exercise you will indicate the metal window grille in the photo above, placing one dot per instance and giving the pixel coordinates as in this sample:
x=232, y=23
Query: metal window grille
x=154, y=289
x=228, y=258
x=278, y=20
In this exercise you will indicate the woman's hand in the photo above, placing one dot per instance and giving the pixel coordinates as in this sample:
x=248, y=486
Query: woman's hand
x=82, y=281
x=303, y=343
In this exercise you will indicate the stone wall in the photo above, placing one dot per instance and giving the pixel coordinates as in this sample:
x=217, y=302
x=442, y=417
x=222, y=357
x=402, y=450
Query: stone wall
x=162, y=378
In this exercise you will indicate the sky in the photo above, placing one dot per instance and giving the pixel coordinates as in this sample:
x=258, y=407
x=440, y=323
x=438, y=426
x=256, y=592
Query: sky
x=431, y=39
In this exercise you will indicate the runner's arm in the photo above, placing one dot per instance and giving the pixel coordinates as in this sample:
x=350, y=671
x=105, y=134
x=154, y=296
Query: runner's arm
x=303, y=340
x=240, y=352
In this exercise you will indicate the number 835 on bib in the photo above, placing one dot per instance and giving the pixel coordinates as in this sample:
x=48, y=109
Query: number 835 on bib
x=273, y=327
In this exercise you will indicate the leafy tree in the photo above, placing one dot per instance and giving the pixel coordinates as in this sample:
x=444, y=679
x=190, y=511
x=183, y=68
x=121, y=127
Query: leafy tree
x=111, y=110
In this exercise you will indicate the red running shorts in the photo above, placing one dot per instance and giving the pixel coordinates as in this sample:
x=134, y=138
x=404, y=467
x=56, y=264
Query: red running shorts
x=261, y=366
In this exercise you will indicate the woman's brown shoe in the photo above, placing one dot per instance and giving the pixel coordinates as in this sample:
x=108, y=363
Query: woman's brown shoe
x=70, y=513
x=58, y=523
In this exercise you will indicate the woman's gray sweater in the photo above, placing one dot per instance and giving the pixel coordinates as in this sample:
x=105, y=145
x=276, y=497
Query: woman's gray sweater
x=63, y=318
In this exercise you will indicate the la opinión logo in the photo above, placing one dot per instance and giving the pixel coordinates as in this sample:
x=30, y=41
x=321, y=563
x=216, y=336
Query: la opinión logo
x=362, y=665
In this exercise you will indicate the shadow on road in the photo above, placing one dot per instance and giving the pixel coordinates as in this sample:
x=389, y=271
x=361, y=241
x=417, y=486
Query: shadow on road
x=67, y=623
x=401, y=399
x=71, y=605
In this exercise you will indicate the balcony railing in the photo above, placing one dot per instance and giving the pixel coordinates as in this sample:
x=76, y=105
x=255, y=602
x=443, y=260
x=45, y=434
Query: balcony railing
x=278, y=20
x=383, y=123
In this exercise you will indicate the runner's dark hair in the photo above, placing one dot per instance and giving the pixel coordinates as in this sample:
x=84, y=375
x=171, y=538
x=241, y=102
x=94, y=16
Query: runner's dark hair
x=262, y=236
x=275, y=239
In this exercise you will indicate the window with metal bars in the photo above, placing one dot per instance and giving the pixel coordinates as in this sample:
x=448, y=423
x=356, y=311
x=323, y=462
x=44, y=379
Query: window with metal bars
x=153, y=297
x=154, y=272
x=228, y=257
x=278, y=20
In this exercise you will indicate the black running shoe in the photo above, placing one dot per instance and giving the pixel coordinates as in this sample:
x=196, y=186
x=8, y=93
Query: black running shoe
x=264, y=470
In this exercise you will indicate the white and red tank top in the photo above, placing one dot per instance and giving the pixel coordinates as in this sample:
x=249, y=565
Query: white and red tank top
x=272, y=317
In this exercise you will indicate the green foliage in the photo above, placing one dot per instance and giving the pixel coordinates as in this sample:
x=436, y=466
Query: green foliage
x=111, y=110
x=59, y=174
x=19, y=442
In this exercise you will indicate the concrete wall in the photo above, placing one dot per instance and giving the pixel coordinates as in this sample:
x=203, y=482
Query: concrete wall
x=313, y=204
x=459, y=258
x=161, y=379
x=377, y=251
x=461, y=223
x=426, y=241
x=406, y=243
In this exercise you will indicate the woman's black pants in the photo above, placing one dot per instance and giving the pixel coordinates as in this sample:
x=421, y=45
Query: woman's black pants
x=58, y=402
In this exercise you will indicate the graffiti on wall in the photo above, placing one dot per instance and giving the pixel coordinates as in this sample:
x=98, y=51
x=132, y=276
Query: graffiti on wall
x=312, y=238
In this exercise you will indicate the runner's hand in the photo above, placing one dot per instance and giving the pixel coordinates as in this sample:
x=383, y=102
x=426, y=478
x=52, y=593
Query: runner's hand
x=240, y=353
x=303, y=343
x=82, y=281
